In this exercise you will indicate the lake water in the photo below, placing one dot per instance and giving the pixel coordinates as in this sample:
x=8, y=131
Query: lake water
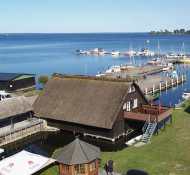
x=50, y=53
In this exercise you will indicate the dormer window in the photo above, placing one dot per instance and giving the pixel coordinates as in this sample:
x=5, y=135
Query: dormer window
x=131, y=89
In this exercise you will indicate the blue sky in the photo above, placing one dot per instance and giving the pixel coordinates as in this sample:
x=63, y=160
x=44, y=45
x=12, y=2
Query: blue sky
x=93, y=15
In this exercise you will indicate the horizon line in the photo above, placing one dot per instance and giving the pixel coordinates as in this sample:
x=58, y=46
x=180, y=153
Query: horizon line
x=69, y=32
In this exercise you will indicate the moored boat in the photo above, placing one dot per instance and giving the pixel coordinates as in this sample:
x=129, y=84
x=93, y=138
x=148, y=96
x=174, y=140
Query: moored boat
x=115, y=53
x=186, y=95
x=155, y=61
x=145, y=52
x=4, y=95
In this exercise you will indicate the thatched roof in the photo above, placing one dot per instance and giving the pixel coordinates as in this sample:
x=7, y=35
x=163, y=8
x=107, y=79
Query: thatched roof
x=14, y=106
x=78, y=152
x=86, y=101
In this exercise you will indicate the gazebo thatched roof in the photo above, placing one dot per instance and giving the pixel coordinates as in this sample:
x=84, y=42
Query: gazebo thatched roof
x=78, y=152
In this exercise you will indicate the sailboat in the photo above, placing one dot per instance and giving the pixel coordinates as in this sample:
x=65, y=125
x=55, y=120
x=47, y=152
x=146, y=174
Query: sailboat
x=156, y=61
x=183, y=56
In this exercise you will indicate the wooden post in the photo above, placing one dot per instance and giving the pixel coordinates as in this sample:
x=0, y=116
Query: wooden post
x=146, y=91
x=171, y=119
x=164, y=125
x=153, y=88
x=157, y=132
x=160, y=87
x=166, y=84
x=172, y=82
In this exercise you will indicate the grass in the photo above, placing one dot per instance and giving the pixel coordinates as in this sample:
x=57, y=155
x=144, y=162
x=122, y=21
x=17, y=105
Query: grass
x=51, y=171
x=167, y=154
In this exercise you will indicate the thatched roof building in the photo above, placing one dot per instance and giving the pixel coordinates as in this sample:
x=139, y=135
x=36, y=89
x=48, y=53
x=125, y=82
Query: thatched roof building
x=15, y=106
x=84, y=101
x=88, y=105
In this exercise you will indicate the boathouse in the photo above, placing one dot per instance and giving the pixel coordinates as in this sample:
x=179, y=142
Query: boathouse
x=16, y=81
x=88, y=105
x=14, y=110
x=78, y=157
x=16, y=119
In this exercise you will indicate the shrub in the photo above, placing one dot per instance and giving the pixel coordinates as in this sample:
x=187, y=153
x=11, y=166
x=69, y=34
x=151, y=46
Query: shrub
x=43, y=79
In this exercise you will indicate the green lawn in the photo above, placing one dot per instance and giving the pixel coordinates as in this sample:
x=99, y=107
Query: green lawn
x=167, y=154
x=51, y=171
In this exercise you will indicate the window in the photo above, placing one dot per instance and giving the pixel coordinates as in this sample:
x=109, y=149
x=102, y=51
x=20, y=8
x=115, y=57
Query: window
x=93, y=166
x=79, y=169
x=66, y=168
x=131, y=89
x=124, y=106
x=128, y=106
x=135, y=103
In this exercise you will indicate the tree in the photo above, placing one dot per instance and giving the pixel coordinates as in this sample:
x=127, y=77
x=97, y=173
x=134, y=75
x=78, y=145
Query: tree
x=182, y=31
x=43, y=79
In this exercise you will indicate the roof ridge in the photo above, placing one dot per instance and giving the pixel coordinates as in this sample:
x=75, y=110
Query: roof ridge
x=72, y=151
x=86, y=77
x=83, y=150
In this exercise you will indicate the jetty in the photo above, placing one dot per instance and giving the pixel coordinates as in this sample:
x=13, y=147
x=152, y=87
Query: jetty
x=155, y=84
x=146, y=77
x=133, y=72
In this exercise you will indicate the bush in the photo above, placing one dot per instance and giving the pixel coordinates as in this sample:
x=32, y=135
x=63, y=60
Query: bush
x=43, y=79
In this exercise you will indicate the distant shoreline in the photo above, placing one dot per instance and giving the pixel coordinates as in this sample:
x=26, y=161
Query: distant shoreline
x=174, y=32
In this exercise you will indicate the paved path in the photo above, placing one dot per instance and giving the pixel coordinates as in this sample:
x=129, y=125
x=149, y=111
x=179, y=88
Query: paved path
x=102, y=172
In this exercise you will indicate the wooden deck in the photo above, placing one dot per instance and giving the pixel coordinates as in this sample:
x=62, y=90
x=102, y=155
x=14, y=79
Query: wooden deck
x=149, y=113
x=12, y=133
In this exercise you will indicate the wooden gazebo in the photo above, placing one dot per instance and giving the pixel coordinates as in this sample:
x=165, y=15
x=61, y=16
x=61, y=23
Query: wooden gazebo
x=79, y=158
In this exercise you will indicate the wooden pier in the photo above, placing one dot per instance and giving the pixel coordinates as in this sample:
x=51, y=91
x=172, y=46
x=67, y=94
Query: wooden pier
x=154, y=84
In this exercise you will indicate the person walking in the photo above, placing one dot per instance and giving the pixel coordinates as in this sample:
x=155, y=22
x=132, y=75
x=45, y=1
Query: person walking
x=110, y=167
x=106, y=168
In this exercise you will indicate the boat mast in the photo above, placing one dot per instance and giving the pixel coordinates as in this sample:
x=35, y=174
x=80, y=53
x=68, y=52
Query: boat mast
x=183, y=48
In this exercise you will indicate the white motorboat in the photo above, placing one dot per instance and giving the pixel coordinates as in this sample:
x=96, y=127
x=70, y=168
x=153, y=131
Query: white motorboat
x=96, y=51
x=115, y=53
x=113, y=69
x=145, y=52
x=4, y=95
x=168, y=67
x=155, y=61
x=186, y=95
x=131, y=53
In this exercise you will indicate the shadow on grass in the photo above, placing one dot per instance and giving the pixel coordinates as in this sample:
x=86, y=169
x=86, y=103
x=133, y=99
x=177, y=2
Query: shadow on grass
x=136, y=172
x=187, y=109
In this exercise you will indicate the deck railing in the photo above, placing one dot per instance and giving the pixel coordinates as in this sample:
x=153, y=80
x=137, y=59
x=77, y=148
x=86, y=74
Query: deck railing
x=20, y=130
x=149, y=113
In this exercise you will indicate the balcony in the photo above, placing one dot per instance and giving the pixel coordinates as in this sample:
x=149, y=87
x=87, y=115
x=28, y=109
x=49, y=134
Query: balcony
x=148, y=113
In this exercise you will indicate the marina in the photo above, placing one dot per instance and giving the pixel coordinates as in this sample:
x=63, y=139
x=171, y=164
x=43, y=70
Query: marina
x=158, y=77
